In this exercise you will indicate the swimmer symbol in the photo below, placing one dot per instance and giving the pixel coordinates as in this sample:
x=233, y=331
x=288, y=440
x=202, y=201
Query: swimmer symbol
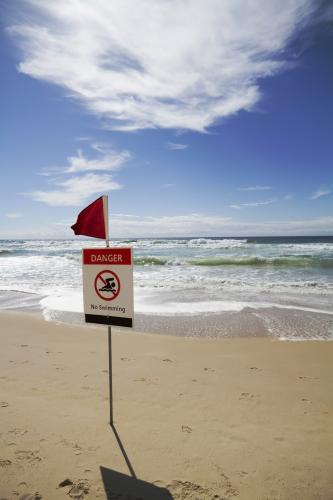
x=107, y=285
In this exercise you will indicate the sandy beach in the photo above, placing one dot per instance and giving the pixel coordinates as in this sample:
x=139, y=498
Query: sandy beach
x=247, y=418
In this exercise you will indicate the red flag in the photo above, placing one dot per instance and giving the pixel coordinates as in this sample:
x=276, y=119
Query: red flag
x=93, y=220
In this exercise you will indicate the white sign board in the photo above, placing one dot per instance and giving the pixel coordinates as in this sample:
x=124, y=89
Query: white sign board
x=108, y=286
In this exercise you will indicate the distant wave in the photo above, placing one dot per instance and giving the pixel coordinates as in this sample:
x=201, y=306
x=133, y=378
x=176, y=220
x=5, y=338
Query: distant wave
x=288, y=261
x=264, y=261
x=222, y=243
x=231, y=243
x=6, y=252
x=208, y=243
x=150, y=261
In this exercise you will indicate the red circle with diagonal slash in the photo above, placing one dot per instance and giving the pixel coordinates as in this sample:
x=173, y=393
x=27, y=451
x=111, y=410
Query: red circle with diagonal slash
x=101, y=280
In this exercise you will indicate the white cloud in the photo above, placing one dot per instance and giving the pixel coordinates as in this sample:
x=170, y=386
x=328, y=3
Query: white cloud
x=288, y=197
x=127, y=225
x=175, y=225
x=253, y=204
x=176, y=146
x=107, y=159
x=167, y=186
x=75, y=190
x=320, y=193
x=255, y=188
x=14, y=215
x=169, y=64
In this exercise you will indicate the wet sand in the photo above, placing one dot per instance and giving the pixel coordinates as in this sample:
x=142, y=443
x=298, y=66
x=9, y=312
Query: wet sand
x=245, y=418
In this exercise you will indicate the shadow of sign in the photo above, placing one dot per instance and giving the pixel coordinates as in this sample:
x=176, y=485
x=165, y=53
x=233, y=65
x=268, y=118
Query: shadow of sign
x=121, y=487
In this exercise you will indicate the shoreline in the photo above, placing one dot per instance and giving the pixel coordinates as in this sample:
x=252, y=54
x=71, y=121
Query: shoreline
x=245, y=418
x=285, y=323
x=248, y=323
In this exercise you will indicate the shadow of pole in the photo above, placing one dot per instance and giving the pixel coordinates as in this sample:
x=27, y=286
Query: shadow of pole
x=123, y=451
x=121, y=487
x=118, y=485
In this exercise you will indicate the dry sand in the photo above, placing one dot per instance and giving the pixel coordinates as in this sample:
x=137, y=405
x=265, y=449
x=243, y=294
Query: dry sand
x=194, y=419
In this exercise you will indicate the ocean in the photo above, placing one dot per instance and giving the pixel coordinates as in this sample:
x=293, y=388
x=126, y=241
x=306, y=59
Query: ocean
x=212, y=287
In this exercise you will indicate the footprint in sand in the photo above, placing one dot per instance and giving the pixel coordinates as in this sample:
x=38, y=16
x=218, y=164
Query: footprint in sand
x=306, y=401
x=18, y=432
x=209, y=369
x=247, y=396
x=186, y=489
x=225, y=484
x=147, y=380
x=167, y=360
x=22, y=493
x=31, y=496
x=79, y=489
x=243, y=473
x=65, y=482
x=27, y=456
x=5, y=463
x=3, y=404
x=186, y=428
x=77, y=448
x=305, y=377
x=127, y=359
x=255, y=369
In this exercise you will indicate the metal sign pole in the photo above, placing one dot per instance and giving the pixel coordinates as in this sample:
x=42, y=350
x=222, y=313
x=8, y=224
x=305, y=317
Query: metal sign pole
x=110, y=375
x=109, y=327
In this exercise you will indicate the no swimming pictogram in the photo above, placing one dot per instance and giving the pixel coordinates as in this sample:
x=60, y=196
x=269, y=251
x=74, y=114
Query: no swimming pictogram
x=107, y=285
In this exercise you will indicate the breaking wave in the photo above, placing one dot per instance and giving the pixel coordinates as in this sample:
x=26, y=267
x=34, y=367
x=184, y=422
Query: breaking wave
x=287, y=261
x=150, y=261
x=3, y=253
x=264, y=261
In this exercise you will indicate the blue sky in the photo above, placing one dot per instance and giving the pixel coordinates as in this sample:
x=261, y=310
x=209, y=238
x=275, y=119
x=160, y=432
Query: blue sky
x=196, y=118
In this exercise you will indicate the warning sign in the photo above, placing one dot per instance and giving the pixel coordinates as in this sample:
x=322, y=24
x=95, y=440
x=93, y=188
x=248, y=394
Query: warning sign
x=108, y=286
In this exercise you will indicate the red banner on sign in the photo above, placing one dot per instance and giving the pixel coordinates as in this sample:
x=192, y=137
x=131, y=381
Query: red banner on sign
x=111, y=256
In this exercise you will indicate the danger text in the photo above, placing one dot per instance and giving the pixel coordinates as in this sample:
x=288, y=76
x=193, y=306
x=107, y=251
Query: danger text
x=108, y=258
